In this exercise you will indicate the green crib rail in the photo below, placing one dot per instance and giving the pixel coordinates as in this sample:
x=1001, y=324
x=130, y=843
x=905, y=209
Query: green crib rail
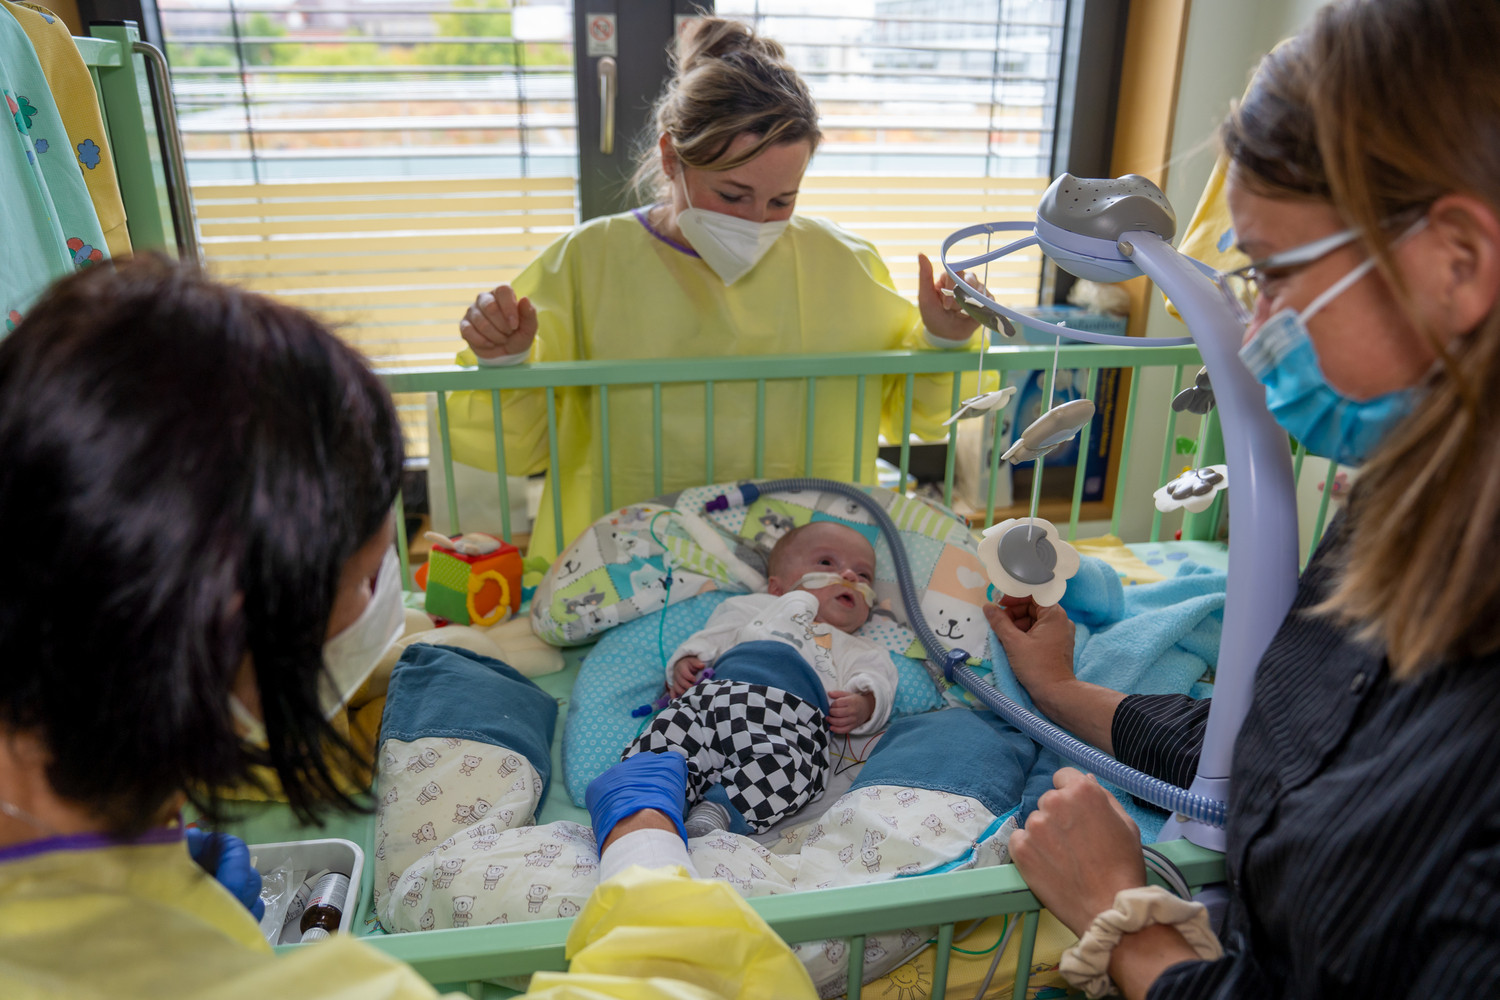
x=867, y=370
x=463, y=958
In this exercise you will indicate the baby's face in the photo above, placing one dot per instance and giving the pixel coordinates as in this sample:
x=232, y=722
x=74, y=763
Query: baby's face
x=825, y=547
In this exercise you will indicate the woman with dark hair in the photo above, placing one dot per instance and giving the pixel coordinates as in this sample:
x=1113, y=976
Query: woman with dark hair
x=199, y=483
x=170, y=443
x=1364, y=818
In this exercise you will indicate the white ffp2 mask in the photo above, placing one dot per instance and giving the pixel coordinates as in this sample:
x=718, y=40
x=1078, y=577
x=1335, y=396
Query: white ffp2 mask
x=729, y=245
x=351, y=656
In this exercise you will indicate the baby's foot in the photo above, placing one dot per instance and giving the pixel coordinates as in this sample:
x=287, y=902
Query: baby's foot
x=705, y=818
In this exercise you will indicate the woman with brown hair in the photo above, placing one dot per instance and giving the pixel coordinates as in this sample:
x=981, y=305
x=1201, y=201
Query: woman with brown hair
x=1364, y=818
x=716, y=264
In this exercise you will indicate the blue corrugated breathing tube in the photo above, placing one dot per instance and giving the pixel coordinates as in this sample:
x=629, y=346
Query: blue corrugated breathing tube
x=955, y=665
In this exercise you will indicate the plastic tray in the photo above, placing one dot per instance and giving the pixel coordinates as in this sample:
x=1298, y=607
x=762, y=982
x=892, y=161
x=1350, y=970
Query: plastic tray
x=313, y=855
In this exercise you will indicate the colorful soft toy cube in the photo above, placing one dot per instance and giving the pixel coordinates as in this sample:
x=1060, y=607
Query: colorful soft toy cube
x=474, y=579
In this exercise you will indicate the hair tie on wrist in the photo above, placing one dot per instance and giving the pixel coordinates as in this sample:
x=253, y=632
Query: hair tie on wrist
x=1086, y=965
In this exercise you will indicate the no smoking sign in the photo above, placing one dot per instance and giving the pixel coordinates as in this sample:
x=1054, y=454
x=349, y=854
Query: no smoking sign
x=601, y=29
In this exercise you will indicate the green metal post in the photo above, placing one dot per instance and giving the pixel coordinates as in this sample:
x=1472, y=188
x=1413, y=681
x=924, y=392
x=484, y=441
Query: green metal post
x=1166, y=455
x=856, y=966
x=1124, y=467
x=1029, y=921
x=859, y=428
x=808, y=434
x=940, y=960
x=442, y=408
x=604, y=457
x=708, y=431
x=552, y=463
x=1083, y=461
x=951, y=464
x=500, y=464
x=760, y=428
x=995, y=451
x=656, y=437
x=906, y=433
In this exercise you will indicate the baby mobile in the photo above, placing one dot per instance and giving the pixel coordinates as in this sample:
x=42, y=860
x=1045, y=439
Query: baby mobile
x=1026, y=557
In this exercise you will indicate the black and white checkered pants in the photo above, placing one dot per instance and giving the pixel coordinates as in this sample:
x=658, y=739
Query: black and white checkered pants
x=768, y=748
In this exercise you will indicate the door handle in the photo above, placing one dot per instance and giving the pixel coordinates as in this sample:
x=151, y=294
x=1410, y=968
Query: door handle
x=608, y=72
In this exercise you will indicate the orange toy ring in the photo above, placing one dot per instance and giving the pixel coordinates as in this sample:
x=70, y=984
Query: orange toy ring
x=476, y=584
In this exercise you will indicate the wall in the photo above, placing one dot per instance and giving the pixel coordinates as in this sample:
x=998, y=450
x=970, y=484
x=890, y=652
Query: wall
x=1224, y=41
x=68, y=11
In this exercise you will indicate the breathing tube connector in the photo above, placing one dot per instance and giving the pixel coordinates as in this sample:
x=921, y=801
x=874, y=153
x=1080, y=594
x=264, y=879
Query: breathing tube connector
x=742, y=495
x=956, y=669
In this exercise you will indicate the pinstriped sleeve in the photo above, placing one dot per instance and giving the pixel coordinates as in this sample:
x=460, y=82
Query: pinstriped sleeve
x=1161, y=734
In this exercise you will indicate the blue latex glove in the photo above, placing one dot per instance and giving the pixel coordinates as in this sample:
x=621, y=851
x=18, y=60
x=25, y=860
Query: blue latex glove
x=227, y=859
x=645, y=781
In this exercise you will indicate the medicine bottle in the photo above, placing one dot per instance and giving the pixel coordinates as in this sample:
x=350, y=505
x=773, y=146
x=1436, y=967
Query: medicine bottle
x=325, y=908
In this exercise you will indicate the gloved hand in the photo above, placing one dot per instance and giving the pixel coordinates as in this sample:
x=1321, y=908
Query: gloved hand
x=644, y=781
x=227, y=859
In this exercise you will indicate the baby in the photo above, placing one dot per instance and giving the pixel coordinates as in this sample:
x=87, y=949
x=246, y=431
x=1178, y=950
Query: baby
x=786, y=669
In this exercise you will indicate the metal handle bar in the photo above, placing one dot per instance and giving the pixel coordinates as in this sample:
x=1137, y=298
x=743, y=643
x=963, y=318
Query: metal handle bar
x=608, y=72
x=182, y=198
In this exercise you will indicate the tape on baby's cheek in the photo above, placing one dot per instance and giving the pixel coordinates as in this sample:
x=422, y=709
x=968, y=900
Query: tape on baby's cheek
x=814, y=581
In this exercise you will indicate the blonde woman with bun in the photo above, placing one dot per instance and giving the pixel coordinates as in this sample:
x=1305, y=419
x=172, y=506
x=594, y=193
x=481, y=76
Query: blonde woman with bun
x=716, y=262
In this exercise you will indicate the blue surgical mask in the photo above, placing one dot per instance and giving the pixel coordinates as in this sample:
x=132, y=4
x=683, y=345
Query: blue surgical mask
x=1328, y=423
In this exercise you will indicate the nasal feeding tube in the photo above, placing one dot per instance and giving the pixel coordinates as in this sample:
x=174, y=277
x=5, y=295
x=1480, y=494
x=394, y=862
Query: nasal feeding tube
x=1263, y=548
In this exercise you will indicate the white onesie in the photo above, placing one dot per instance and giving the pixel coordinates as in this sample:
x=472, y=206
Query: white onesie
x=843, y=662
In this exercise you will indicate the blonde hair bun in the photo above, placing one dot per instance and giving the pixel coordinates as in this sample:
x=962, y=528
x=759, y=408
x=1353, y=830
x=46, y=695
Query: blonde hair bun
x=713, y=38
x=728, y=81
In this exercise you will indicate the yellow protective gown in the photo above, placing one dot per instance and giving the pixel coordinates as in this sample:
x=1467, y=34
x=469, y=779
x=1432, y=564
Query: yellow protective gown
x=83, y=919
x=612, y=289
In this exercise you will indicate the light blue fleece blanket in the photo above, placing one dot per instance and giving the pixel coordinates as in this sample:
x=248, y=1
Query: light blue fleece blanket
x=1157, y=638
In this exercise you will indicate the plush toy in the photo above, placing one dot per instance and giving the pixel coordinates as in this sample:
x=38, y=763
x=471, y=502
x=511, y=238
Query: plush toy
x=474, y=579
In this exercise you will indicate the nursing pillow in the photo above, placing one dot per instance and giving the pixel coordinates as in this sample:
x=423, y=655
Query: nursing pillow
x=617, y=570
x=626, y=670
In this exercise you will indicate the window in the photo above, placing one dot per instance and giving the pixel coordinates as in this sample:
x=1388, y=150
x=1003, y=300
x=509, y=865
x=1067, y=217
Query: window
x=381, y=161
x=311, y=90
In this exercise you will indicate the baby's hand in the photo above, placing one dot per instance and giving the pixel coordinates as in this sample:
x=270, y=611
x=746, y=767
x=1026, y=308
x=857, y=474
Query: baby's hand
x=685, y=674
x=848, y=710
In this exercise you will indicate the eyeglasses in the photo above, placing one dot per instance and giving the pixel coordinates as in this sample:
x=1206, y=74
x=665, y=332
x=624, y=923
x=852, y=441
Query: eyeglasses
x=1243, y=286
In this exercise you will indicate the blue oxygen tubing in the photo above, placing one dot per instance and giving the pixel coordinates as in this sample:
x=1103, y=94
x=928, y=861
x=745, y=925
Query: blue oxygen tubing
x=955, y=665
